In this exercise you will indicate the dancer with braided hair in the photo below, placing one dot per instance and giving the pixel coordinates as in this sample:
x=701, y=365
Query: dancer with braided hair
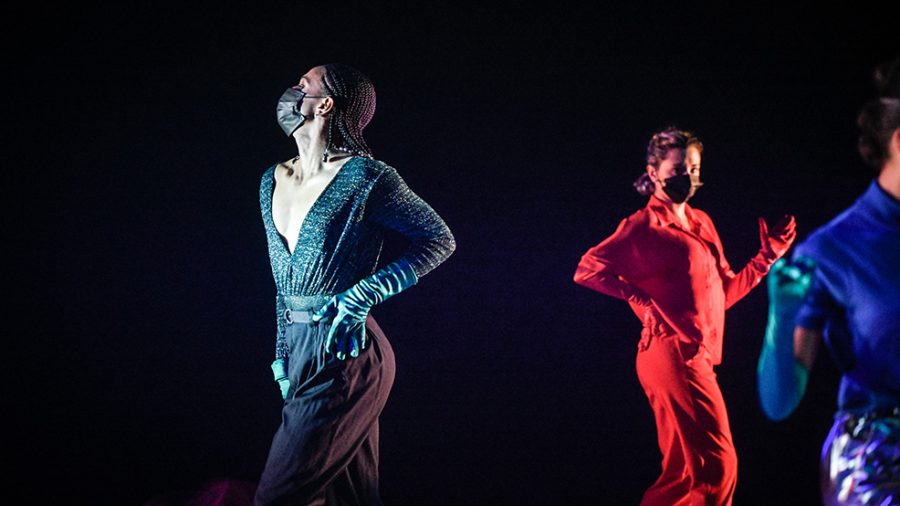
x=325, y=213
x=667, y=261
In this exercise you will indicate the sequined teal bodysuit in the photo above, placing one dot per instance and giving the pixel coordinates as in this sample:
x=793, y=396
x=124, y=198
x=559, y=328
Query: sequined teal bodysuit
x=341, y=237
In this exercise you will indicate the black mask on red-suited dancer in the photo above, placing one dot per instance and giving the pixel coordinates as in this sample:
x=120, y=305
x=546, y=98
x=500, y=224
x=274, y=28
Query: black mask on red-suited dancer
x=680, y=188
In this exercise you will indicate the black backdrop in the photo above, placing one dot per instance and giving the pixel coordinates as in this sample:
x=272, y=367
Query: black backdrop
x=140, y=303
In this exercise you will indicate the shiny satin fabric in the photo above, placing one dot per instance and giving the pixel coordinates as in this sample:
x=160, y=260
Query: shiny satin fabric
x=683, y=270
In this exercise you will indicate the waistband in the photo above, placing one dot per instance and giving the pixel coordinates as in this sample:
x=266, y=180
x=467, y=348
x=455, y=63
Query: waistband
x=292, y=316
x=304, y=302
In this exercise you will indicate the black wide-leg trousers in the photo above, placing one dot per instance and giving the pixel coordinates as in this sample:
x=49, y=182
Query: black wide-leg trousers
x=326, y=449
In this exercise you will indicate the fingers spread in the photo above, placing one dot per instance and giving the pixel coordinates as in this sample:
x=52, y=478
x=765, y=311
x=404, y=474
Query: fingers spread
x=329, y=339
x=347, y=336
x=327, y=310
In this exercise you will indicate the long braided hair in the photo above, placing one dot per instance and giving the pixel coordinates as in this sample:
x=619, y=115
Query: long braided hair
x=354, y=106
x=657, y=150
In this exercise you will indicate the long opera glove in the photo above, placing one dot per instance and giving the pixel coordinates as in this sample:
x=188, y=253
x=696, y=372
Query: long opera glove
x=348, y=310
x=781, y=379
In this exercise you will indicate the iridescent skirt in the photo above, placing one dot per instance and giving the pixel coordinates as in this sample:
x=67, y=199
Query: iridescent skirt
x=861, y=460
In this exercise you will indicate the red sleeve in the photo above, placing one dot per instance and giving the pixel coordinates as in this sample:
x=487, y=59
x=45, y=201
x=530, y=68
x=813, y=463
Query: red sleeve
x=611, y=266
x=738, y=285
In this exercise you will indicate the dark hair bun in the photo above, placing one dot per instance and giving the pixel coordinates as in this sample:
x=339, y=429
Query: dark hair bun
x=880, y=117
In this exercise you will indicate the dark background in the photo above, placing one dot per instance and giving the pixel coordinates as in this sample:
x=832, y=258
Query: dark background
x=140, y=308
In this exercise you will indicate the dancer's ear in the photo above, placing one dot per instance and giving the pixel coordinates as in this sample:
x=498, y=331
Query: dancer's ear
x=325, y=106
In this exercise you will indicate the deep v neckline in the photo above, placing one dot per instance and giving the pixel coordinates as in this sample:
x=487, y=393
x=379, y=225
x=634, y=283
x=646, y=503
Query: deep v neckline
x=283, y=239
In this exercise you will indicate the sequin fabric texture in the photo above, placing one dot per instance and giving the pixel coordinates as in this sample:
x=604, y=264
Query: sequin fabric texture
x=341, y=238
x=861, y=460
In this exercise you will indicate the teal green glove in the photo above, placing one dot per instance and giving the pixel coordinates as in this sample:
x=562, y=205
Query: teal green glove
x=348, y=310
x=781, y=380
x=281, y=378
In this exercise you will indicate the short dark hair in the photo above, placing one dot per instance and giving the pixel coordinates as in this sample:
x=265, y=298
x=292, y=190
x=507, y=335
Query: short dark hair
x=880, y=117
x=658, y=149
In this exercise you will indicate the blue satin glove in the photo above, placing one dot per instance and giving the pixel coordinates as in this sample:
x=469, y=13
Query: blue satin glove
x=781, y=379
x=280, y=373
x=348, y=310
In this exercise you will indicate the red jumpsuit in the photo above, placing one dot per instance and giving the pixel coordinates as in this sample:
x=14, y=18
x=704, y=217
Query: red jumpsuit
x=690, y=284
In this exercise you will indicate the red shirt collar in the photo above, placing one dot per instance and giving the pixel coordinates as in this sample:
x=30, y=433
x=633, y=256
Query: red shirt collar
x=664, y=216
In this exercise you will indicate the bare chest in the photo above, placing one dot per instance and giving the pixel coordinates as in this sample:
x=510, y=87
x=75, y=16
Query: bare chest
x=292, y=202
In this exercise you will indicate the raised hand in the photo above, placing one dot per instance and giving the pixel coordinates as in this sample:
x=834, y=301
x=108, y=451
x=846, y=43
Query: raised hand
x=781, y=379
x=788, y=283
x=776, y=241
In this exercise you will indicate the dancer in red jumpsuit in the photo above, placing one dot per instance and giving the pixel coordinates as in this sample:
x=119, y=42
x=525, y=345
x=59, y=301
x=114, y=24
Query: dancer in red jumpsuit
x=667, y=261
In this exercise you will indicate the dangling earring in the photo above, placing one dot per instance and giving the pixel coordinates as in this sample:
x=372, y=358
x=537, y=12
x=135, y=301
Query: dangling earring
x=327, y=142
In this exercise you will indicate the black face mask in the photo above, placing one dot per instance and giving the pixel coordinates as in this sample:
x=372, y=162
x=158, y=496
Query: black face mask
x=682, y=187
x=288, y=111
